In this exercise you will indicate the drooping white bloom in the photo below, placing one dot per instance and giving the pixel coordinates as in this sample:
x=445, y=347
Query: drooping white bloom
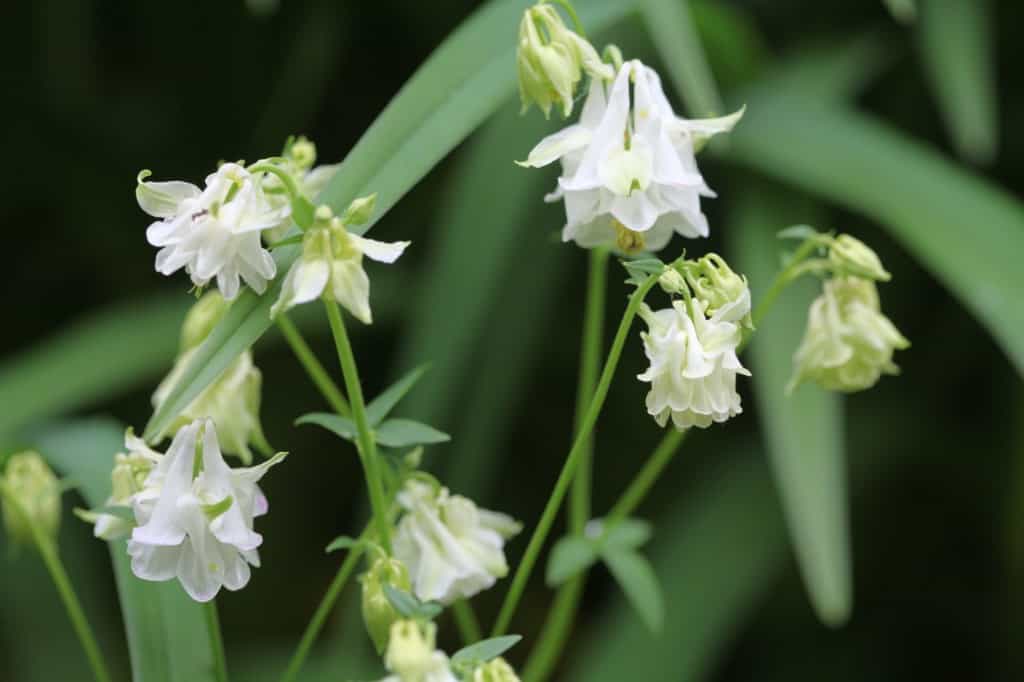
x=412, y=656
x=453, y=549
x=195, y=516
x=213, y=233
x=331, y=264
x=693, y=364
x=629, y=174
x=849, y=343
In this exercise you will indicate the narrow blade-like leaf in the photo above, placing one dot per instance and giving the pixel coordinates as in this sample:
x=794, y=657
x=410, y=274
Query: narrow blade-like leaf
x=485, y=649
x=379, y=407
x=402, y=433
x=637, y=579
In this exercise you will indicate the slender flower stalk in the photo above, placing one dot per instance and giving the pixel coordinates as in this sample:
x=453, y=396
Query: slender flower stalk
x=323, y=610
x=547, y=518
x=364, y=436
x=467, y=622
x=330, y=391
x=220, y=665
x=48, y=552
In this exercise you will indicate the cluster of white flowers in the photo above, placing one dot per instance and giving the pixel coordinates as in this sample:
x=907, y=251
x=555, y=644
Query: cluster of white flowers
x=193, y=514
x=453, y=549
x=629, y=174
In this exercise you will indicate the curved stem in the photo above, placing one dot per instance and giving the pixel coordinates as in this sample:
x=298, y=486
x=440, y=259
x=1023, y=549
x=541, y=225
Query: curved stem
x=220, y=666
x=48, y=552
x=330, y=391
x=575, y=17
x=590, y=364
x=787, y=275
x=364, y=436
x=284, y=176
x=323, y=610
x=547, y=518
x=641, y=484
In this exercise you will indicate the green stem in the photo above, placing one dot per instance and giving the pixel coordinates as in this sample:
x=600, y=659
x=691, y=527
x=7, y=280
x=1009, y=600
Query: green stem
x=782, y=280
x=467, y=622
x=323, y=610
x=284, y=176
x=364, y=436
x=556, y=629
x=572, y=15
x=590, y=365
x=220, y=666
x=48, y=552
x=547, y=518
x=314, y=369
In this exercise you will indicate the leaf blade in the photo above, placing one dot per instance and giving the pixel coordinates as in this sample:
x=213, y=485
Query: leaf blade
x=638, y=581
x=485, y=649
x=379, y=407
x=402, y=433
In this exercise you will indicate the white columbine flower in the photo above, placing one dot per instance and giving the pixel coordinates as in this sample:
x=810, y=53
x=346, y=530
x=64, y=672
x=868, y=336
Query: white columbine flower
x=693, y=365
x=412, y=656
x=195, y=516
x=849, y=343
x=453, y=549
x=213, y=233
x=331, y=265
x=629, y=175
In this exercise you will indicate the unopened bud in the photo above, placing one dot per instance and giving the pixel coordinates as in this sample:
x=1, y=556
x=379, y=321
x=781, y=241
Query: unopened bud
x=302, y=153
x=360, y=210
x=725, y=292
x=671, y=281
x=30, y=495
x=410, y=651
x=496, y=670
x=855, y=257
x=378, y=611
x=202, y=317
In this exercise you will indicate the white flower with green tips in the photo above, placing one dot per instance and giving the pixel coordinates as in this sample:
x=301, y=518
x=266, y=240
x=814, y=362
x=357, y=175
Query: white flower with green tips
x=195, y=516
x=213, y=233
x=849, y=343
x=629, y=172
x=412, y=655
x=452, y=548
x=693, y=364
x=331, y=264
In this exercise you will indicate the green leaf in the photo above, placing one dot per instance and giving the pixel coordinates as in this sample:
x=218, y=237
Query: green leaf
x=409, y=606
x=379, y=407
x=167, y=632
x=400, y=433
x=90, y=360
x=637, y=579
x=957, y=45
x=628, y=534
x=569, y=556
x=459, y=86
x=804, y=430
x=343, y=427
x=485, y=649
x=673, y=33
x=925, y=201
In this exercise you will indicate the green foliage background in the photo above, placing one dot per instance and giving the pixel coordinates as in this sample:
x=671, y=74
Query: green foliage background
x=900, y=134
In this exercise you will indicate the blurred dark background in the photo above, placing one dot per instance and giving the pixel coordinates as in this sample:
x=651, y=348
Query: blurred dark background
x=96, y=91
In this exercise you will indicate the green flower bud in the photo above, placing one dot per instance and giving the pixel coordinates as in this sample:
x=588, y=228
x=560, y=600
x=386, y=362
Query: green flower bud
x=360, y=210
x=202, y=318
x=551, y=60
x=496, y=670
x=378, y=612
x=410, y=651
x=672, y=282
x=302, y=153
x=726, y=293
x=853, y=257
x=849, y=343
x=30, y=494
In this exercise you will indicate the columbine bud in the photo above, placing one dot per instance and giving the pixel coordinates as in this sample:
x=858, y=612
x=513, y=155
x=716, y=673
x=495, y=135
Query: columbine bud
x=302, y=153
x=202, y=318
x=497, y=670
x=671, y=281
x=378, y=612
x=849, y=343
x=410, y=648
x=31, y=497
x=360, y=210
x=726, y=294
x=551, y=60
x=855, y=257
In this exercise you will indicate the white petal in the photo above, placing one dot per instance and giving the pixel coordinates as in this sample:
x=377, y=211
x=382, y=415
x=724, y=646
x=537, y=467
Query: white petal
x=151, y=562
x=382, y=252
x=554, y=147
x=163, y=199
x=351, y=288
